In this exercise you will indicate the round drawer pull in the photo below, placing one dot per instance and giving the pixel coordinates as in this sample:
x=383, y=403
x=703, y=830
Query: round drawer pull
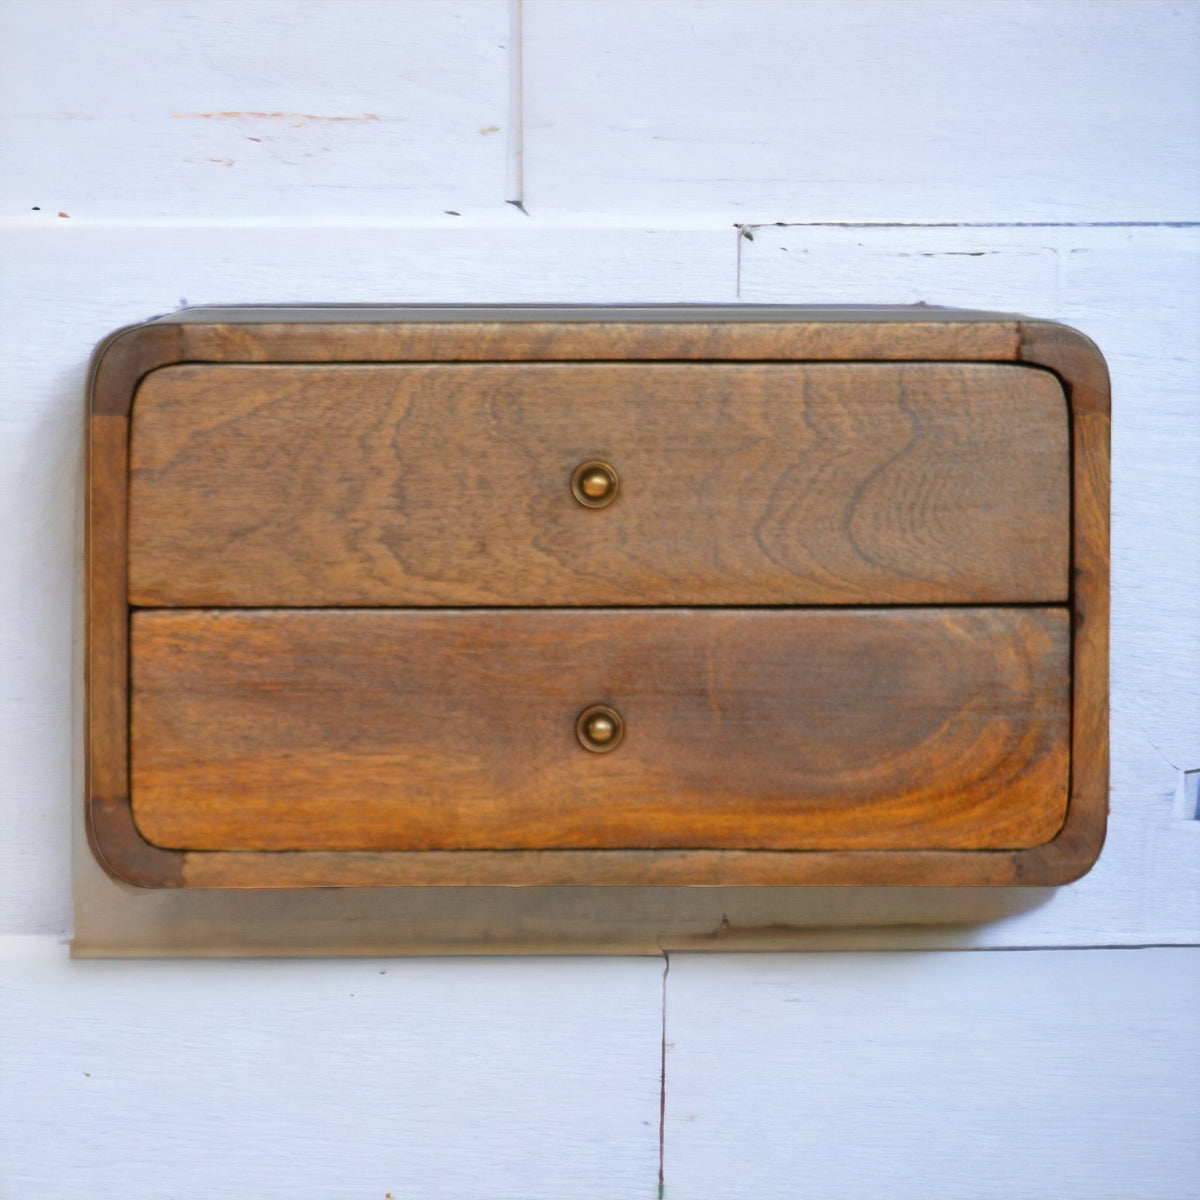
x=594, y=484
x=599, y=729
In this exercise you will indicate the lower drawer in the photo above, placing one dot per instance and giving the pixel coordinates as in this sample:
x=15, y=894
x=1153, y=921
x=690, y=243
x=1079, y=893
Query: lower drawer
x=457, y=729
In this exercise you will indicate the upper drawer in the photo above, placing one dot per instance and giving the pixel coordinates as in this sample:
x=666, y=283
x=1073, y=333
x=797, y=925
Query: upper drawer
x=450, y=484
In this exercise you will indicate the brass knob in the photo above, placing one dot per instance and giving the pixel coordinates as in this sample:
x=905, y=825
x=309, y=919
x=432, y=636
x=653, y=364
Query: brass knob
x=599, y=729
x=594, y=484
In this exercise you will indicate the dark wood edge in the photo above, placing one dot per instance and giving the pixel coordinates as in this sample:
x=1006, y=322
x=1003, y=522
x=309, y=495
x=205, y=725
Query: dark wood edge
x=581, y=314
x=1081, y=369
x=121, y=360
x=117, y=366
x=1073, y=357
x=130, y=354
x=124, y=853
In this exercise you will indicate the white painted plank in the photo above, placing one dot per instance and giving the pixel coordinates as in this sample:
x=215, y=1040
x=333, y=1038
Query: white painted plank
x=511, y=1080
x=994, y=267
x=1049, y=1076
x=65, y=287
x=854, y=110
x=151, y=108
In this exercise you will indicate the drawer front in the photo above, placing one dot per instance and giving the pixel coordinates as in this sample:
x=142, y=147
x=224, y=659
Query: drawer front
x=450, y=484
x=783, y=729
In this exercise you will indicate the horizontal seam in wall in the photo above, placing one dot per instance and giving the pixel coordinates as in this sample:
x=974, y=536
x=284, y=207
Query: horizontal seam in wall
x=540, y=224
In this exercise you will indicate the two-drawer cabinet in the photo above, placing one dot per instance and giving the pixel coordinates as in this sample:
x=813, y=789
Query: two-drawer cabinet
x=453, y=596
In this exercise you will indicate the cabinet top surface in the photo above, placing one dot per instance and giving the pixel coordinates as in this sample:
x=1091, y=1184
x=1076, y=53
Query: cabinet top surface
x=322, y=314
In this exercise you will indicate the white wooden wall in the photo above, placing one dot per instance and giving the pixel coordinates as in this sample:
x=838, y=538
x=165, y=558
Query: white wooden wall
x=1040, y=157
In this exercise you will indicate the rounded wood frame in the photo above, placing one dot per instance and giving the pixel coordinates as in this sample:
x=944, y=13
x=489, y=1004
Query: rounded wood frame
x=451, y=334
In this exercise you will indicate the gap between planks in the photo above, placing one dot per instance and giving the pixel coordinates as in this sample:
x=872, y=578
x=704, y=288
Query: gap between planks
x=662, y=1092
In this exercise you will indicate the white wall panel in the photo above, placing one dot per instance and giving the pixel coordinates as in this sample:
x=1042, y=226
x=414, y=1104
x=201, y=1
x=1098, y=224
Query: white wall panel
x=650, y=128
x=202, y=108
x=851, y=110
x=1049, y=1076
x=330, y=1081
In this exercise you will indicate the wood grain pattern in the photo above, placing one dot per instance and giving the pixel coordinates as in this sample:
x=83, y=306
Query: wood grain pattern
x=323, y=730
x=1079, y=364
x=117, y=366
x=857, y=337
x=448, y=485
x=108, y=617
x=886, y=336
x=854, y=334
x=110, y=827
x=621, y=869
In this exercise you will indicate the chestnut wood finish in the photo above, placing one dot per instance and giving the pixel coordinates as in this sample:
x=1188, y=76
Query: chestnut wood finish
x=743, y=336
x=785, y=729
x=450, y=485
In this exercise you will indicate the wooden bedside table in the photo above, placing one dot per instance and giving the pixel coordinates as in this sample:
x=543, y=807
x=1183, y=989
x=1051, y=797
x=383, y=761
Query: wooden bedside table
x=475, y=596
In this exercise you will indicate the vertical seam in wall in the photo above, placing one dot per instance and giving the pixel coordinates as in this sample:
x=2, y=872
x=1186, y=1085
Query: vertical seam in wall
x=662, y=1083
x=515, y=183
